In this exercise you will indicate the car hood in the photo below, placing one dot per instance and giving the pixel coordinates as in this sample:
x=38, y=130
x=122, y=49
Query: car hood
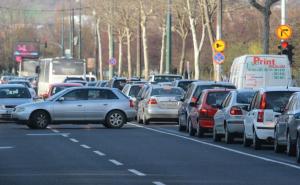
x=15, y=101
x=35, y=104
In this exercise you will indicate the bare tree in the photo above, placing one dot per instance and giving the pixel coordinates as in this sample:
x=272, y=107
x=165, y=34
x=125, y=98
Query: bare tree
x=121, y=35
x=266, y=12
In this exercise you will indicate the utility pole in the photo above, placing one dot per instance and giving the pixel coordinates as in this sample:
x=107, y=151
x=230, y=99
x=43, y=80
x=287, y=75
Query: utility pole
x=79, y=36
x=138, y=47
x=169, y=38
x=219, y=36
x=72, y=34
x=63, y=34
x=111, y=42
x=283, y=12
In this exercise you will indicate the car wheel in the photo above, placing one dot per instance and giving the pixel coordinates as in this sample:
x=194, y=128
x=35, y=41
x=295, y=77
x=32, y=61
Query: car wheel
x=228, y=136
x=246, y=142
x=290, y=147
x=200, y=131
x=277, y=147
x=298, y=149
x=39, y=120
x=191, y=129
x=256, y=142
x=180, y=126
x=115, y=119
x=216, y=136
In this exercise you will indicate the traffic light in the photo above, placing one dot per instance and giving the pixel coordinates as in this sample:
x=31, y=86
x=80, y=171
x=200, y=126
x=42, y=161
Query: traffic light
x=286, y=49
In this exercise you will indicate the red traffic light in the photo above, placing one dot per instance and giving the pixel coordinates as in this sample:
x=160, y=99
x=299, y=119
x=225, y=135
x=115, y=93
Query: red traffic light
x=284, y=45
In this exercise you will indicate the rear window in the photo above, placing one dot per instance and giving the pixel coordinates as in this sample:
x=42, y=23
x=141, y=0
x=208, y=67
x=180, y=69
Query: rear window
x=14, y=92
x=119, y=84
x=166, y=78
x=200, y=88
x=184, y=85
x=277, y=100
x=167, y=92
x=216, y=98
x=134, y=91
x=245, y=97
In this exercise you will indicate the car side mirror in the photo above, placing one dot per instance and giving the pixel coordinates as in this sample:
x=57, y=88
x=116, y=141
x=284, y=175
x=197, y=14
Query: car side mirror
x=61, y=99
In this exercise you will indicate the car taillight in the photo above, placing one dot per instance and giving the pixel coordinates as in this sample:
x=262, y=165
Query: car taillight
x=263, y=102
x=203, y=112
x=236, y=111
x=260, y=116
x=152, y=101
x=131, y=103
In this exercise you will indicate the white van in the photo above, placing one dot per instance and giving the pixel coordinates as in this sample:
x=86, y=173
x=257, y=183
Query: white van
x=257, y=71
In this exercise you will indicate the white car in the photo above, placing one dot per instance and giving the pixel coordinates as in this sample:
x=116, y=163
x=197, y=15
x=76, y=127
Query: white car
x=266, y=105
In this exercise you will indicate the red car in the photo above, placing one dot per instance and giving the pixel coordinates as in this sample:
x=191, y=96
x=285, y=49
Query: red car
x=201, y=119
x=57, y=87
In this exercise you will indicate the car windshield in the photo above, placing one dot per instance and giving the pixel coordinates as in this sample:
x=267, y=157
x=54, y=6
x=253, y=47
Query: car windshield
x=57, y=89
x=134, y=91
x=184, y=85
x=216, y=98
x=14, y=92
x=166, y=78
x=245, y=97
x=200, y=88
x=167, y=91
x=277, y=100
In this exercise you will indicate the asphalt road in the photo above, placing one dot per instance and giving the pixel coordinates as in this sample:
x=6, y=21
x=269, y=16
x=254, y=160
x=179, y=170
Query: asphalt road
x=156, y=154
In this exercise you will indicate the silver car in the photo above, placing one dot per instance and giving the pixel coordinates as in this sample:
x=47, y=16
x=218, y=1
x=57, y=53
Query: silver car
x=79, y=104
x=160, y=103
x=229, y=119
x=12, y=95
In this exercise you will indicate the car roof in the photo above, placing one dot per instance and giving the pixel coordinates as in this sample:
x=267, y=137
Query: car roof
x=18, y=81
x=12, y=85
x=211, y=83
x=166, y=75
x=216, y=90
x=279, y=88
x=65, y=84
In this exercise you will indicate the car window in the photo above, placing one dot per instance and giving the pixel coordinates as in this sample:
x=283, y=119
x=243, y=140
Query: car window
x=101, y=94
x=166, y=78
x=75, y=95
x=257, y=101
x=119, y=84
x=216, y=98
x=277, y=100
x=252, y=104
x=200, y=88
x=184, y=85
x=167, y=91
x=125, y=89
x=134, y=90
x=245, y=97
x=188, y=94
x=227, y=100
x=14, y=92
x=289, y=106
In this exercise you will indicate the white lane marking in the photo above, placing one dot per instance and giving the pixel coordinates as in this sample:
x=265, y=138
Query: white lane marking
x=65, y=135
x=54, y=130
x=99, y=153
x=220, y=147
x=50, y=134
x=6, y=147
x=74, y=140
x=138, y=173
x=85, y=146
x=117, y=163
x=158, y=183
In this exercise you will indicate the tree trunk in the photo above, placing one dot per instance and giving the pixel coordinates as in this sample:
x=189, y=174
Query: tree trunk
x=162, y=51
x=111, y=50
x=266, y=35
x=145, y=46
x=183, y=52
x=128, y=36
x=99, y=50
x=120, y=55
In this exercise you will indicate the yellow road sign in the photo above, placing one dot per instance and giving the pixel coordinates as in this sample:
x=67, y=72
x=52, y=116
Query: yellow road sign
x=219, y=45
x=284, y=32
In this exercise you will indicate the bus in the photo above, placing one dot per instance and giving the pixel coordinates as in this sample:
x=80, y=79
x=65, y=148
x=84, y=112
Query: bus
x=55, y=70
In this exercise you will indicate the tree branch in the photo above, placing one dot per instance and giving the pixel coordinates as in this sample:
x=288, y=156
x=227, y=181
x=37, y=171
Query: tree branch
x=256, y=5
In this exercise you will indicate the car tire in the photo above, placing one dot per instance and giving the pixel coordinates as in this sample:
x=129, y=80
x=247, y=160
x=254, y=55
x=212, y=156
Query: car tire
x=200, y=131
x=277, y=147
x=39, y=120
x=216, y=137
x=290, y=147
x=246, y=142
x=256, y=142
x=298, y=149
x=228, y=136
x=181, y=128
x=115, y=119
x=191, y=129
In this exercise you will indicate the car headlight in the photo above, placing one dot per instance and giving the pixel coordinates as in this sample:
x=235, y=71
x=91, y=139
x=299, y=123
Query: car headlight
x=20, y=109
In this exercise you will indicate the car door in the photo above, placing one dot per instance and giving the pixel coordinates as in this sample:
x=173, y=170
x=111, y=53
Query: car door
x=72, y=107
x=220, y=116
x=250, y=116
x=99, y=103
x=292, y=123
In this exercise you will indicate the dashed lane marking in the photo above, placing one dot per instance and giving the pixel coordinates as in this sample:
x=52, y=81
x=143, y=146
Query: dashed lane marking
x=85, y=146
x=220, y=147
x=136, y=172
x=74, y=140
x=99, y=153
x=54, y=130
x=49, y=134
x=158, y=183
x=6, y=147
x=117, y=163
